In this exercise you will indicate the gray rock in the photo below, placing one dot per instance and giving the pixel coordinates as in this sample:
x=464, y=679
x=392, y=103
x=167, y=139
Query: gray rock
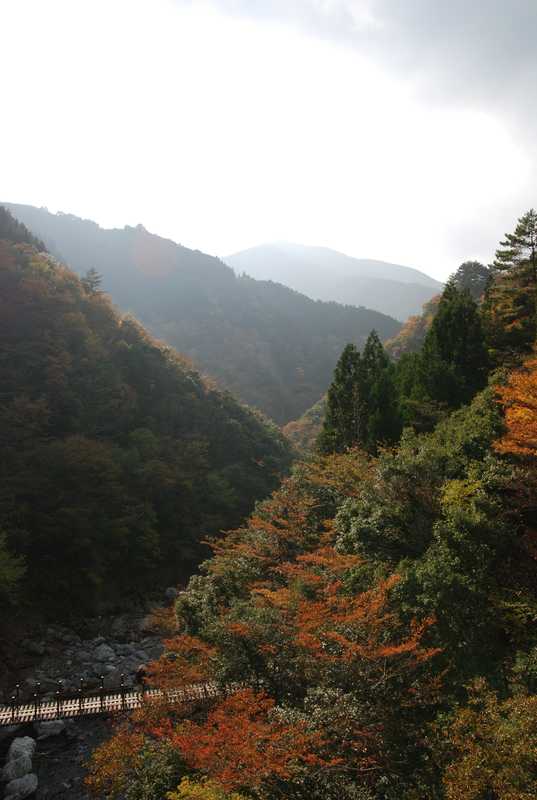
x=10, y=732
x=21, y=788
x=171, y=594
x=83, y=655
x=98, y=640
x=104, y=653
x=17, y=768
x=120, y=627
x=49, y=728
x=23, y=746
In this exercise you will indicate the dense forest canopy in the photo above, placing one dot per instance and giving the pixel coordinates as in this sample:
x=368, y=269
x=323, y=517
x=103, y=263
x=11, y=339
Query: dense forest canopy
x=117, y=458
x=270, y=346
x=376, y=616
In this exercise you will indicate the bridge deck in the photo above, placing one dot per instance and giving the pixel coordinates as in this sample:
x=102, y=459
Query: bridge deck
x=102, y=704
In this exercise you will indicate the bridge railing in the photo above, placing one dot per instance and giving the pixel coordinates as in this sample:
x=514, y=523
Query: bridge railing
x=86, y=701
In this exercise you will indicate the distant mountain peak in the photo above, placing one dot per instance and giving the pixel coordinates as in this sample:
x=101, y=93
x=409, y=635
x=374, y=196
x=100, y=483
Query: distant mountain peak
x=326, y=274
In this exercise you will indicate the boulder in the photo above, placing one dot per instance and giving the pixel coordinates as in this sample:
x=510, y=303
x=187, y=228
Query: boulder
x=10, y=732
x=34, y=648
x=47, y=728
x=120, y=627
x=17, y=768
x=23, y=746
x=20, y=788
x=171, y=594
x=104, y=653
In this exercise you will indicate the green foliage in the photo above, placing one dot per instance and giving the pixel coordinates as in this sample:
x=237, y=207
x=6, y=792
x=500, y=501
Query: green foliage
x=14, y=231
x=117, y=458
x=519, y=249
x=510, y=303
x=153, y=772
x=361, y=405
x=472, y=277
x=272, y=347
x=454, y=360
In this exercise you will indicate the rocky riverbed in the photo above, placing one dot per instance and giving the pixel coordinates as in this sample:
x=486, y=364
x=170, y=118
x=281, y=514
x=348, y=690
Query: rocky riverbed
x=108, y=647
x=57, y=758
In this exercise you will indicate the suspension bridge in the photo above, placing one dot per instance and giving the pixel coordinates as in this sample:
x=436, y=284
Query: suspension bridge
x=85, y=703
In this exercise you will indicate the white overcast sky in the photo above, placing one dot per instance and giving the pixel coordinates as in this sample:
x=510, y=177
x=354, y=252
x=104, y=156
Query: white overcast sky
x=402, y=130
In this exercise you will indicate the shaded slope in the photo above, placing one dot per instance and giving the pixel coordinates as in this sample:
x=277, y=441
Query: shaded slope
x=117, y=459
x=269, y=345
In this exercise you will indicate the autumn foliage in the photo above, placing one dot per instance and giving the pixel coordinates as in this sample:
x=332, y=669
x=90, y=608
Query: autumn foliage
x=519, y=396
x=241, y=746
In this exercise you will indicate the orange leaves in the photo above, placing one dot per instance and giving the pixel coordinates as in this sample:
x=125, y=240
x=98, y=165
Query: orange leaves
x=187, y=660
x=329, y=625
x=520, y=400
x=241, y=745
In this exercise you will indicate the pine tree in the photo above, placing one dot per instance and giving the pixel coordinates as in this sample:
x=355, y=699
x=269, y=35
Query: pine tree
x=92, y=281
x=511, y=300
x=473, y=277
x=519, y=249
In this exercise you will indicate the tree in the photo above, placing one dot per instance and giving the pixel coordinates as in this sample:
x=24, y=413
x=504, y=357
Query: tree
x=454, y=360
x=342, y=420
x=473, y=277
x=493, y=748
x=510, y=303
x=519, y=249
x=92, y=281
x=241, y=746
x=361, y=405
x=380, y=422
x=519, y=397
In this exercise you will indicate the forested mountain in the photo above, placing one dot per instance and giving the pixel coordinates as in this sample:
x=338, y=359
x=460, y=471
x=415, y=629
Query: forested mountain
x=376, y=618
x=117, y=458
x=471, y=277
x=271, y=346
x=325, y=274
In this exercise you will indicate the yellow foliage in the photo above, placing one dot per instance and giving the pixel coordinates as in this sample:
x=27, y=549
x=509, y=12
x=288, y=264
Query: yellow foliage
x=495, y=748
x=201, y=790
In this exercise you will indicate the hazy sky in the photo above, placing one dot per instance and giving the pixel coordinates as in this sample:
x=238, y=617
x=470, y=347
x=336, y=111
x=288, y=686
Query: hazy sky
x=402, y=130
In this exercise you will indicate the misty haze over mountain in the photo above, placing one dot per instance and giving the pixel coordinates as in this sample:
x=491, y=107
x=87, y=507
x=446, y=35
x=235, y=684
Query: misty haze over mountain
x=274, y=348
x=325, y=274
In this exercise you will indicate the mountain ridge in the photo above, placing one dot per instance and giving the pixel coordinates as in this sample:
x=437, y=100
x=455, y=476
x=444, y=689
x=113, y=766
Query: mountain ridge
x=268, y=344
x=326, y=274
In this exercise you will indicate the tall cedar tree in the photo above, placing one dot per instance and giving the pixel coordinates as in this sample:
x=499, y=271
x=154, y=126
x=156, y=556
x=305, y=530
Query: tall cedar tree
x=361, y=407
x=454, y=360
x=341, y=423
x=510, y=305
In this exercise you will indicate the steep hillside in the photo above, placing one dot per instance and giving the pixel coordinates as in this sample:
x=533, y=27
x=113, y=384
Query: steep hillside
x=412, y=335
x=325, y=274
x=303, y=432
x=269, y=345
x=117, y=458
